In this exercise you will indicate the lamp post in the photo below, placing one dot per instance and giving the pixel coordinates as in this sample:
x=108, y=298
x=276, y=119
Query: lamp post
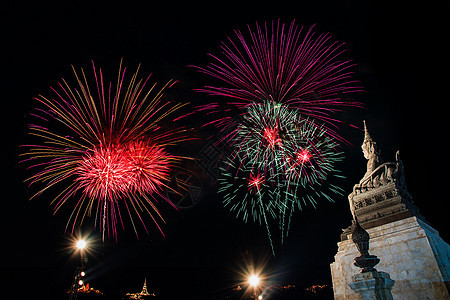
x=254, y=280
x=78, y=278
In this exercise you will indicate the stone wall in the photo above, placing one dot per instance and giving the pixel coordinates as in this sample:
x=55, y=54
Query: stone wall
x=409, y=250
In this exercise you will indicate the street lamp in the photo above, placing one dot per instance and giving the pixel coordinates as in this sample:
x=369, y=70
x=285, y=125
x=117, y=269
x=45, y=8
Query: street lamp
x=78, y=279
x=81, y=244
x=254, y=280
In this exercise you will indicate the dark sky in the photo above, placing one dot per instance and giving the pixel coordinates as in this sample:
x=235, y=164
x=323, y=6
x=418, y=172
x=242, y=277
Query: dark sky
x=400, y=52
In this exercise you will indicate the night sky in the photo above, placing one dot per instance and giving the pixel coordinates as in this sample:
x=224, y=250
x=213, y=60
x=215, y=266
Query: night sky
x=402, y=63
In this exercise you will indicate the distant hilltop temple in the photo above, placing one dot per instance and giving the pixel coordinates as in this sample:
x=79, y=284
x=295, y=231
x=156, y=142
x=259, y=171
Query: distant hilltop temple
x=409, y=249
x=144, y=294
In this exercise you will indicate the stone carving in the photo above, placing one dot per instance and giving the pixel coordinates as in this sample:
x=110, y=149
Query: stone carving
x=371, y=152
x=408, y=248
x=378, y=174
x=361, y=239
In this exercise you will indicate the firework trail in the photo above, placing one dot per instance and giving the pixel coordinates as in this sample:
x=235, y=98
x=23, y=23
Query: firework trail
x=248, y=194
x=104, y=148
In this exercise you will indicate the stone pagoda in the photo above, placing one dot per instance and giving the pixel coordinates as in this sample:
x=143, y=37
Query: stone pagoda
x=409, y=249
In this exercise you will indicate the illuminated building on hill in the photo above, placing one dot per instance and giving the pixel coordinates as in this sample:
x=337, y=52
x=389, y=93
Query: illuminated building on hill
x=144, y=294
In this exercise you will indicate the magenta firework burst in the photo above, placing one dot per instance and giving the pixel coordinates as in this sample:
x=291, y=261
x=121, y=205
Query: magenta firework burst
x=287, y=64
x=282, y=87
x=104, y=148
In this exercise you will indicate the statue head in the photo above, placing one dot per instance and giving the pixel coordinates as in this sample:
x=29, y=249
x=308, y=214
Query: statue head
x=369, y=146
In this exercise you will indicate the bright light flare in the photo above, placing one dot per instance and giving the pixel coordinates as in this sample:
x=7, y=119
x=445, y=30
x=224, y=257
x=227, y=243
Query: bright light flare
x=254, y=280
x=81, y=244
x=252, y=274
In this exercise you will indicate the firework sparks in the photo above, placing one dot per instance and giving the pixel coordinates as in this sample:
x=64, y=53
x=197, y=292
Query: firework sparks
x=105, y=147
x=247, y=195
x=104, y=173
x=286, y=84
x=255, y=182
x=272, y=180
x=291, y=65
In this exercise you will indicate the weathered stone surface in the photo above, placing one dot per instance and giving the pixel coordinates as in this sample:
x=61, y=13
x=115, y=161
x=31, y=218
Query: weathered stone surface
x=372, y=285
x=409, y=250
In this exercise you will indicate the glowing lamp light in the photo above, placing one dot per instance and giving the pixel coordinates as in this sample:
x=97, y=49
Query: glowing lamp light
x=253, y=280
x=80, y=282
x=81, y=244
x=260, y=297
x=82, y=274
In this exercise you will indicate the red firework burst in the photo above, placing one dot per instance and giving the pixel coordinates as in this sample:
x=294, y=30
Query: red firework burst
x=151, y=166
x=255, y=182
x=106, y=147
x=105, y=173
x=271, y=136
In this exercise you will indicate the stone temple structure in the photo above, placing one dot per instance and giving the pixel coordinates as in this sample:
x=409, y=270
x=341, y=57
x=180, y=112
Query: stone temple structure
x=409, y=249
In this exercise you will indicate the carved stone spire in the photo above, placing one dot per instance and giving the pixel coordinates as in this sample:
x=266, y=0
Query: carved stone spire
x=367, y=136
x=370, y=151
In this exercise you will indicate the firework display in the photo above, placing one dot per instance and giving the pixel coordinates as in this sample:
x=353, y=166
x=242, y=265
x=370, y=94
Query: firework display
x=281, y=162
x=290, y=65
x=104, y=148
x=286, y=85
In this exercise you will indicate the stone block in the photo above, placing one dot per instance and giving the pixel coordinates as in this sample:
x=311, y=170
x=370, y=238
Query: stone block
x=372, y=285
x=409, y=250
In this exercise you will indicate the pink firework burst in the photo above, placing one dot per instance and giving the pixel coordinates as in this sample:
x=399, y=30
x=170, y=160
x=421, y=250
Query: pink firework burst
x=286, y=64
x=107, y=147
